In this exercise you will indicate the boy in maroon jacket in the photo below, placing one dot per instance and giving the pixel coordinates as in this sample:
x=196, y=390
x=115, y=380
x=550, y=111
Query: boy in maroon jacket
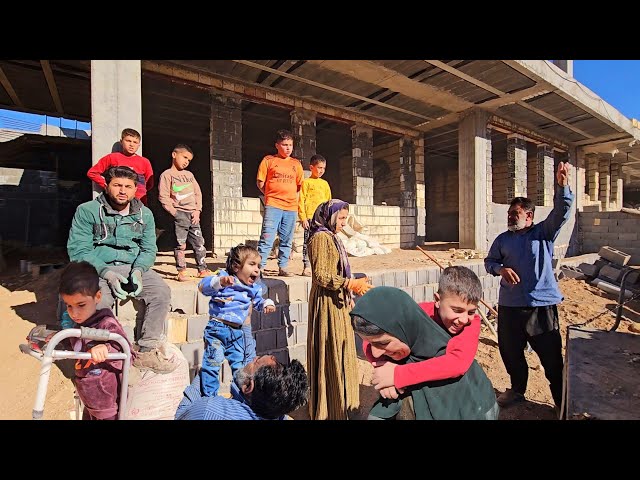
x=97, y=381
x=459, y=292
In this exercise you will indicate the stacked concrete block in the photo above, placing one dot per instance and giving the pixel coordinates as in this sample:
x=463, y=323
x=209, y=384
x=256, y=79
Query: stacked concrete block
x=303, y=128
x=614, y=256
x=604, y=165
x=545, y=176
x=516, y=166
x=593, y=178
x=362, y=164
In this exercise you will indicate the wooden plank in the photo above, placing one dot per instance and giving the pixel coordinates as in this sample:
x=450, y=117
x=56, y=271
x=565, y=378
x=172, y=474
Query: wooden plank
x=9, y=88
x=602, y=375
x=51, y=83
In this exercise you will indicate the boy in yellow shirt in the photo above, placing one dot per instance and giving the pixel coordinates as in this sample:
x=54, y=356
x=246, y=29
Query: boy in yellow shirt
x=313, y=192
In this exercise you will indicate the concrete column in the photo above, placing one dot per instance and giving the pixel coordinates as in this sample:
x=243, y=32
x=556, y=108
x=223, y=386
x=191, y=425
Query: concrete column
x=421, y=194
x=303, y=127
x=615, y=197
x=116, y=104
x=593, y=177
x=362, y=164
x=226, y=168
x=516, y=166
x=474, y=147
x=604, y=169
x=408, y=188
x=545, y=176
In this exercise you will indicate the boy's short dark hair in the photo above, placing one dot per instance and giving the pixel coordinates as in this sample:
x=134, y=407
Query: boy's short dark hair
x=183, y=146
x=130, y=132
x=460, y=281
x=79, y=277
x=283, y=135
x=316, y=159
x=120, y=172
x=525, y=203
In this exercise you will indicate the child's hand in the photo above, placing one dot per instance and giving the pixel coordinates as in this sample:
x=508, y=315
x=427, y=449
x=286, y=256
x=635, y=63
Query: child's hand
x=383, y=375
x=269, y=309
x=195, y=217
x=99, y=353
x=305, y=224
x=226, y=281
x=391, y=392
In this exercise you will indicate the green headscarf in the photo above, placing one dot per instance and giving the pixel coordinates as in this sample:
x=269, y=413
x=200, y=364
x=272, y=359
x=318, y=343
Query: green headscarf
x=468, y=397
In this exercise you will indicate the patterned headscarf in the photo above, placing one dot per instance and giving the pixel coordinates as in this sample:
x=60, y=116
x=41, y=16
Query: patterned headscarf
x=324, y=220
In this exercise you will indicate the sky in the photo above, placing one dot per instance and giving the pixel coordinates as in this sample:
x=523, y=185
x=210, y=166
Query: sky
x=616, y=81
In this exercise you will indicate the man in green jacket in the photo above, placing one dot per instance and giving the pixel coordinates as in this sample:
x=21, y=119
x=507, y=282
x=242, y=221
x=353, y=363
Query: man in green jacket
x=115, y=233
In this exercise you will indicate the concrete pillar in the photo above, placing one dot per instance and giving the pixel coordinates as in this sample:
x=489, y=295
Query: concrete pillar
x=604, y=169
x=474, y=154
x=226, y=168
x=615, y=197
x=421, y=194
x=116, y=104
x=545, y=176
x=303, y=127
x=408, y=189
x=362, y=164
x=593, y=177
x=516, y=166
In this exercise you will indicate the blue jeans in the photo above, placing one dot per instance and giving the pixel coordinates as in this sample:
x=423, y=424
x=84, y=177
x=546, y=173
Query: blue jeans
x=220, y=342
x=249, y=345
x=283, y=222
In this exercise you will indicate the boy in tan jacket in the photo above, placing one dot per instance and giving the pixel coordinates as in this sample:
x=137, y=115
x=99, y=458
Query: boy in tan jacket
x=180, y=195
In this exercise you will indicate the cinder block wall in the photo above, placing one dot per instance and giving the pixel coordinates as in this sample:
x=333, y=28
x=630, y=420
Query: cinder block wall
x=619, y=230
x=499, y=178
x=386, y=174
x=441, y=177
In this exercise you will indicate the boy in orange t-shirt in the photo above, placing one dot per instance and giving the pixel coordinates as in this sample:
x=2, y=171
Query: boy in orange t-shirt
x=279, y=179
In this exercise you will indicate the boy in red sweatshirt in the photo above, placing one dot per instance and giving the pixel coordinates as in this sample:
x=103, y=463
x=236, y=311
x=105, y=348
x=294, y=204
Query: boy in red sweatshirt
x=130, y=141
x=454, y=309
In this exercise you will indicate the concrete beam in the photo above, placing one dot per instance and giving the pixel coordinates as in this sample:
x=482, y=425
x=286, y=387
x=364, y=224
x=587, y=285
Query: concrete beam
x=376, y=74
x=273, y=96
x=572, y=90
x=51, y=83
x=10, y=91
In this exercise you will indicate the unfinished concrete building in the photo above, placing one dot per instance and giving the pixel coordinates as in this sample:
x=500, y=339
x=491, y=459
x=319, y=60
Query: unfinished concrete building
x=424, y=150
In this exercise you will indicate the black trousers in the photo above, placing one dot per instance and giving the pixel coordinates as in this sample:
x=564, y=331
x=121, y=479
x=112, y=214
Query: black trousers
x=540, y=327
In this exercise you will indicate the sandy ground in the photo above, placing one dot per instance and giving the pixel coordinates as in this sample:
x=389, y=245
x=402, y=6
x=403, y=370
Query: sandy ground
x=25, y=302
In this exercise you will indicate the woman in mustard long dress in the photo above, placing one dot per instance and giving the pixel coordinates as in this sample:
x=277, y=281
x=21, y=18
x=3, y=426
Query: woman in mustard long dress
x=331, y=351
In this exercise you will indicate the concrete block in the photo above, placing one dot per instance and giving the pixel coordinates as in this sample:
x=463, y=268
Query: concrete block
x=299, y=352
x=128, y=310
x=193, y=352
x=568, y=271
x=389, y=279
x=256, y=320
x=400, y=278
x=412, y=278
x=176, y=328
x=282, y=356
x=265, y=341
x=195, y=327
x=272, y=320
x=202, y=303
x=277, y=291
x=291, y=312
x=433, y=275
x=377, y=280
x=610, y=288
x=302, y=330
x=283, y=335
x=423, y=276
x=614, y=255
x=610, y=273
x=298, y=291
x=183, y=300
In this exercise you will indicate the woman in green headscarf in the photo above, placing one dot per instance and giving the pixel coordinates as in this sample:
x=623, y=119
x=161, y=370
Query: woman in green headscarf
x=397, y=328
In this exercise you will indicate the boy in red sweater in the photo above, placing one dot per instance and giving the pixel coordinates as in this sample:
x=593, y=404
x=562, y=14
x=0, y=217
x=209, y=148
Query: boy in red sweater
x=130, y=141
x=454, y=309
